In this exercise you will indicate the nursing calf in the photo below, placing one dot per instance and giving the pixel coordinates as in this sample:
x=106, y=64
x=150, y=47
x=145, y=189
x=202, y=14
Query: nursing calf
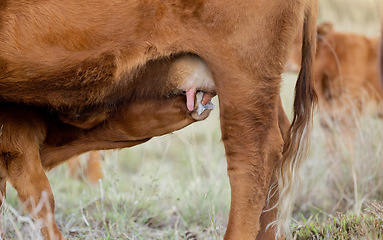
x=34, y=139
x=81, y=59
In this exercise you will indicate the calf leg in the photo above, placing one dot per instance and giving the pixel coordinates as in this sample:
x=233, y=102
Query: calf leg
x=26, y=174
x=94, y=170
x=21, y=165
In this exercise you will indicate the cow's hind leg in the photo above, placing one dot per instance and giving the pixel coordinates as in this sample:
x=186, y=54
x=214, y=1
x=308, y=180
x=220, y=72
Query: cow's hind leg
x=20, y=161
x=253, y=144
x=269, y=214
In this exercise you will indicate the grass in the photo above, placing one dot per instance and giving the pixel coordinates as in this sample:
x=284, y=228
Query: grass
x=341, y=227
x=176, y=186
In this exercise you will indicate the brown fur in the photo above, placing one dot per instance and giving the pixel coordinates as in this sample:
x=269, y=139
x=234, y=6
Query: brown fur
x=84, y=57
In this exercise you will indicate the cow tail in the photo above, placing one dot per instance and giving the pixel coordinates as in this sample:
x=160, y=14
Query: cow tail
x=296, y=147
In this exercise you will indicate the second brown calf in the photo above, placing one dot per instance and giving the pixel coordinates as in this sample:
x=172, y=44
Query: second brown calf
x=346, y=68
x=346, y=74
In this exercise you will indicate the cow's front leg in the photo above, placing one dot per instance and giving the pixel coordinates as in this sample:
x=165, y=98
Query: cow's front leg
x=253, y=143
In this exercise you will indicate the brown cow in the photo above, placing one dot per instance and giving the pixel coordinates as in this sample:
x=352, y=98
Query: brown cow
x=346, y=73
x=86, y=57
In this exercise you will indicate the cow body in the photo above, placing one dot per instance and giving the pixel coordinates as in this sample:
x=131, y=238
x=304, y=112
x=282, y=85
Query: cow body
x=80, y=57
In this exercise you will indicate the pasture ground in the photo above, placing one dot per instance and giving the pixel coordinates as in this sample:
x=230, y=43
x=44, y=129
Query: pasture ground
x=176, y=186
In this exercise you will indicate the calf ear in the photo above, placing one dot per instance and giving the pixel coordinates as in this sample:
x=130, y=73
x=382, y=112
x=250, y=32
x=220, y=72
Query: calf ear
x=325, y=28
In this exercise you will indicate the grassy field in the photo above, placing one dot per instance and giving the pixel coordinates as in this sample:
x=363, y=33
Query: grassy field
x=176, y=186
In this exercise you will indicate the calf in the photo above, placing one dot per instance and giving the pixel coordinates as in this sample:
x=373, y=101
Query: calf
x=26, y=129
x=346, y=72
x=83, y=58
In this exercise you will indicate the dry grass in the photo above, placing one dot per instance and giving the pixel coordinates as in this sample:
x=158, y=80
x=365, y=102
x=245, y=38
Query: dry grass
x=176, y=187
